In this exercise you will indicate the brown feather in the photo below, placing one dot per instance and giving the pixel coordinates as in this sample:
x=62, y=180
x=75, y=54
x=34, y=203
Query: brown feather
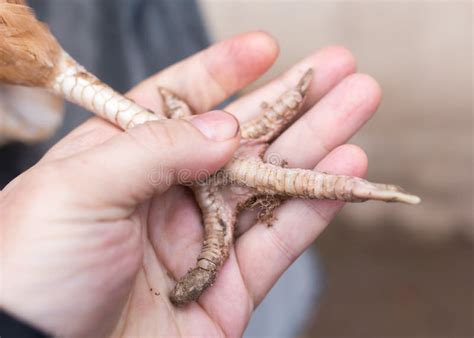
x=28, y=50
x=18, y=2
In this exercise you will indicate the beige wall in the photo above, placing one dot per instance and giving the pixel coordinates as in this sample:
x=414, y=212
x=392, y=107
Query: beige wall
x=421, y=53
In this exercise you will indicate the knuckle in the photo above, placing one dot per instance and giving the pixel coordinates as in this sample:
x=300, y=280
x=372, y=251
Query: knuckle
x=281, y=244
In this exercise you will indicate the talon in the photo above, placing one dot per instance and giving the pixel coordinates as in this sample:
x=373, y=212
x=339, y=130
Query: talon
x=192, y=285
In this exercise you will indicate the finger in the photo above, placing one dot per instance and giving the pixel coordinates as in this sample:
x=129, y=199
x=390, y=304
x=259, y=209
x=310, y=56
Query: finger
x=131, y=166
x=330, y=123
x=330, y=65
x=211, y=76
x=264, y=252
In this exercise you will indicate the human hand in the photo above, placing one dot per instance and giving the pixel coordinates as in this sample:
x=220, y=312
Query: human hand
x=93, y=240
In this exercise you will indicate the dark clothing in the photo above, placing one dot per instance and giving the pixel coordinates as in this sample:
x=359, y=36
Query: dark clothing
x=10, y=327
x=121, y=41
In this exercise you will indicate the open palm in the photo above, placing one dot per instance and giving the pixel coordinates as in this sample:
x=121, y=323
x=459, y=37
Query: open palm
x=133, y=262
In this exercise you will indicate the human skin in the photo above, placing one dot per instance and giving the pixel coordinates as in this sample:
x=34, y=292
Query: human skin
x=92, y=245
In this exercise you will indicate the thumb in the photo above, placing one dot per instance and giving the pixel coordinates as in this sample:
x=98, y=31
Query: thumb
x=134, y=165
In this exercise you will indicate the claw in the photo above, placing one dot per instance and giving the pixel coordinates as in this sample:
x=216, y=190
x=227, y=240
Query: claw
x=192, y=285
x=383, y=192
x=305, y=81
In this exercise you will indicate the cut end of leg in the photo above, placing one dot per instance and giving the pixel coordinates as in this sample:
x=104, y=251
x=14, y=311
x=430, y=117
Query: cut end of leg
x=192, y=285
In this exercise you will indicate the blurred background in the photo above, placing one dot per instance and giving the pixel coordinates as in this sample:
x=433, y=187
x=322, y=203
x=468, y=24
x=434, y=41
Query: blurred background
x=391, y=269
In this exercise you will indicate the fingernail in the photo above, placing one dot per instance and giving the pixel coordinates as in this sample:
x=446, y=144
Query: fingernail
x=216, y=125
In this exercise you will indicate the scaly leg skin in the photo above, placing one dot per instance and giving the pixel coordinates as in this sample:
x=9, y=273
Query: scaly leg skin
x=173, y=106
x=269, y=179
x=218, y=219
x=77, y=85
x=247, y=181
x=276, y=117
